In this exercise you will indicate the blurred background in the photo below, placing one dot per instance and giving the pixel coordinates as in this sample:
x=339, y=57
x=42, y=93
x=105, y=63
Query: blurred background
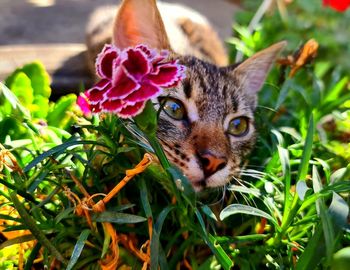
x=63, y=21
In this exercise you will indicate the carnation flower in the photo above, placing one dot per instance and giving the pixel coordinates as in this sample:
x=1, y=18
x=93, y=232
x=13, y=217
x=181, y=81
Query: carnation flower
x=128, y=78
x=339, y=5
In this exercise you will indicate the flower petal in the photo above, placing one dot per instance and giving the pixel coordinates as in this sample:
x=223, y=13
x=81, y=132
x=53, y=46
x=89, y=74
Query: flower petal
x=83, y=104
x=96, y=93
x=110, y=105
x=167, y=74
x=104, y=61
x=136, y=63
x=123, y=84
x=339, y=5
x=95, y=108
x=145, y=92
x=131, y=110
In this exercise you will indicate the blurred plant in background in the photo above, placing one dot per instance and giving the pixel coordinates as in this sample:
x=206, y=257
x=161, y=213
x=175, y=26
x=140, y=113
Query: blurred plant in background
x=288, y=210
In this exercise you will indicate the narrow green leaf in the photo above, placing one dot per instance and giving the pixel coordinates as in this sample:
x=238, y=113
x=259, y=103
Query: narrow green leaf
x=301, y=189
x=339, y=210
x=214, y=246
x=33, y=254
x=11, y=97
x=304, y=164
x=17, y=240
x=117, y=217
x=234, y=209
x=206, y=210
x=338, y=175
x=144, y=198
x=284, y=92
x=333, y=94
x=155, y=244
x=31, y=224
x=341, y=259
x=219, y=253
x=314, y=250
x=326, y=221
x=78, y=248
x=73, y=141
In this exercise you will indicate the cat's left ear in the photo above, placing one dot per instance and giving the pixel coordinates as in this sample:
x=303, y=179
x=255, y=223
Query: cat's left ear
x=252, y=73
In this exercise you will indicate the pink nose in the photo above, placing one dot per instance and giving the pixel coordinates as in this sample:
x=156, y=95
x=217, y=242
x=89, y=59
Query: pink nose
x=211, y=163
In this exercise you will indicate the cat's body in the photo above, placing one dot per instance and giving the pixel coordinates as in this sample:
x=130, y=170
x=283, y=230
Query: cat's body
x=206, y=126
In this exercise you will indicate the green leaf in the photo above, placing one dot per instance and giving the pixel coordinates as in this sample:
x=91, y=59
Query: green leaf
x=40, y=79
x=59, y=149
x=234, y=209
x=155, y=244
x=57, y=115
x=33, y=255
x=144, y=199
x=339, y=210
x=22, y=88
x=341, y=259
x=338, y=175
x=78, y=248
x=40, y=107
x=17, y=240
x=219, y=253
x=35, y=230
x=147, y=120
x=206, y=210
x=284, y=92
x=314, y=250
x=326, y=221
x=304, y=164
x=334, y=93
x=301, y=189
x=214, y=246
x=117, y=217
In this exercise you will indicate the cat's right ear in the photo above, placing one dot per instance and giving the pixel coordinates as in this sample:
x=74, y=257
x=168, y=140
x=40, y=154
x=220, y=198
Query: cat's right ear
x=139, y=22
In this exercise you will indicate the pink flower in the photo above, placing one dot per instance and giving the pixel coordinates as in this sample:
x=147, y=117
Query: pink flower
x=339, y=5
x=85, y=106
x=129, y=78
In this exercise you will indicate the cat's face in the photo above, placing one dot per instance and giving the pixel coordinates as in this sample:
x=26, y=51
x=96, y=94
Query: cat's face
x=206, y=125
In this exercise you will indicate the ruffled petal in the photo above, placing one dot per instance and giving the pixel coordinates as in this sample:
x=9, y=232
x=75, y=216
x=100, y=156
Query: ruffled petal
x=145, y=92
x=112, y=105
x=95, y=108
x=83, y=104
x=136, y=63
x=104, y=61
x=96, y=93
x=131, y=110
x=123, y=84
x=167, y=74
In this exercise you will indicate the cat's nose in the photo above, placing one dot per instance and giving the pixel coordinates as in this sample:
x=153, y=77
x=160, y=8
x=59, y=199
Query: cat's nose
x=211, y=163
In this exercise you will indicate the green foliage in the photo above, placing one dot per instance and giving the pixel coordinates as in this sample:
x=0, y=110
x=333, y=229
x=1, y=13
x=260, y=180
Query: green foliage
x=288, y=210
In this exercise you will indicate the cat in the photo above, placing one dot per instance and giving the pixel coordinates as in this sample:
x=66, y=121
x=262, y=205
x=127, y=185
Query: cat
x=206, y=125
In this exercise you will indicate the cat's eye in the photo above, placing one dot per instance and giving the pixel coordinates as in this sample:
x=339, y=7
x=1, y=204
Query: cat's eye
x=238, y=126
x=174, y=108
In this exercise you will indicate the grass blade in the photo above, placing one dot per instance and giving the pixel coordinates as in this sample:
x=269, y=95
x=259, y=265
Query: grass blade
x=78, y=248
x=304, y=164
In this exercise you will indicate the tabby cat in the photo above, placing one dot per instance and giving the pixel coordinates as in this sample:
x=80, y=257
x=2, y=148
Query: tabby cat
x=206, y=126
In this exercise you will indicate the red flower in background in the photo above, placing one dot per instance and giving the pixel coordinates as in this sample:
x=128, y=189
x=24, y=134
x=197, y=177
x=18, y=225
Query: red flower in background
x=128, y=79
x=339, y=5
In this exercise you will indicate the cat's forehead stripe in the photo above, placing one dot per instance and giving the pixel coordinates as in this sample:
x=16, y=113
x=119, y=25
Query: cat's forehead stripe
x=187, y=88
